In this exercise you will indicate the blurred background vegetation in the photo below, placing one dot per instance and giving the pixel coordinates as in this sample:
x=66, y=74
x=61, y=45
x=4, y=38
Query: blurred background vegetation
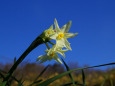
x=27, y=73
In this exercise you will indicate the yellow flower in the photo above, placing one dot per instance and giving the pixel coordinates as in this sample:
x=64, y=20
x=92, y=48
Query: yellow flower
x=61, y=35
x=49, y=31
x=52, y=54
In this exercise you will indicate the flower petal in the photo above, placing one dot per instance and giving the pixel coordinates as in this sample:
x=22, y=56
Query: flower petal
x=67, y=44
x=56, y=26
x=63, y=28
x=56, y=58
x=43, y=58
x=53, y=36
x=51, y=27
x=60, y=43
x=69, y=35
x=60, y=51
x=66, y=27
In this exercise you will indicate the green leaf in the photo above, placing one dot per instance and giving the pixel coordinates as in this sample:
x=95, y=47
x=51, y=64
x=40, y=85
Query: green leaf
x=70, y=75
x=103, y=83
x=83, y=77
x=20, y=83
x=41, y=72
x=111, y=82
x=3, y=84
x=36, y=82
x=14, y=60
x=2, y=75
x=11, y=76
x=38, y=41
x=48, y=81
x=39, y=76
x=68, y=84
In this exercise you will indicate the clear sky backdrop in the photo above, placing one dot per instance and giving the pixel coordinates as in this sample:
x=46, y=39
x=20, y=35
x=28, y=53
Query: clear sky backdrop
x=21, y=21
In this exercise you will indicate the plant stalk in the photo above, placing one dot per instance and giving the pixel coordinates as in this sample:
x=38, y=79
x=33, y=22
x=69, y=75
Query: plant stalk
x=33, y=45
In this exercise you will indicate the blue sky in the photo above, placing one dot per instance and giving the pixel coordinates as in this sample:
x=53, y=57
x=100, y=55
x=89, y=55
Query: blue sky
x=23, y=20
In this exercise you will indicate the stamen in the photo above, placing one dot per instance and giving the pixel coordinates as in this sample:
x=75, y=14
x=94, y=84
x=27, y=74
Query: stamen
x=54, y=29
x=60, y=35
x=48, y=32
x=52, y=54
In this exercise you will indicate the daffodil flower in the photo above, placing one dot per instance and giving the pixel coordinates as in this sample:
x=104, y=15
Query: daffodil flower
x=46, y=57
x=49, y=31
x=57, y=50
x=61, y=35
x=52, y=54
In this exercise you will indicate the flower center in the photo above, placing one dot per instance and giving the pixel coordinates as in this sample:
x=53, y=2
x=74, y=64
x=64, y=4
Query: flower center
x=48, y=32
x=52, y=54
x=60, y=35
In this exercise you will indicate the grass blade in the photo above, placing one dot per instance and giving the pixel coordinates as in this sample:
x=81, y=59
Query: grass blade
x=41, y=72
x=68, y=84
x=103, y=83
x=20, y=84
x=14, y=60
x=83, y=77
x=11, y=76
x=39, y=76
x=48, y=81
x=70, y=75
x=2, y=75
x=3, y=84
x=111, y=82
x=36, y=82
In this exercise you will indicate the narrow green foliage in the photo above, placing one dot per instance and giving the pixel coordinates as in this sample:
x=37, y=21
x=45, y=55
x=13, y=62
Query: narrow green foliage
x=35, y=81
x=20, y=83
x=70, y=75
x=83, y=77
x=3, y=83
x=41, y=72
x=103, y=83
x=14, y=60
x=111, y=82
x=68, y=84
x=48, y=81
x=38, y=41
x=11, y=76
x=2, y=75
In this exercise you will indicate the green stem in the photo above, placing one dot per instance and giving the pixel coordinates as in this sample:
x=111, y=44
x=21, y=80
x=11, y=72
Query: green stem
x=47, y=45
x=11, y=76
x=33, y=45
x=51, y=42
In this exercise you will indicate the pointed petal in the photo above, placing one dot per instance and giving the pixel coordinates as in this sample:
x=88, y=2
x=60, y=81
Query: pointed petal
x=62, y=53
x=66, y=27
x=53, y=36
x=63, y=28
x=43, y=58
x=56, y=58
x=51, y=50
x=40, y=57
x=51, y=27
x=56, y=26
x=69, y=35
x=60, y=43
x=67, y=45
